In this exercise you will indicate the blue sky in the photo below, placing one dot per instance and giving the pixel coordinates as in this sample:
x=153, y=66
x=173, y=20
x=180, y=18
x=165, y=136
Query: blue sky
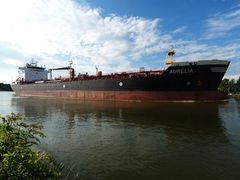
x=117, y=35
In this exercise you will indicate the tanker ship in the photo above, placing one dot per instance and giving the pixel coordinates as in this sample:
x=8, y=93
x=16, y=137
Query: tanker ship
x=180, y=81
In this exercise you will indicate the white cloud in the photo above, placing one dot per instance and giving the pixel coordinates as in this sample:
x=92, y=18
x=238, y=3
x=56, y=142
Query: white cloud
x=193, y=51
x=179, y=30
x=49, y=28
x=222, y=23
x=14, y=62
x=235, y=77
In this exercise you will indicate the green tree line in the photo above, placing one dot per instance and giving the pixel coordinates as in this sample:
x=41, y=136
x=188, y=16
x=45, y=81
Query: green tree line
x=5, y=87
x=230, y=86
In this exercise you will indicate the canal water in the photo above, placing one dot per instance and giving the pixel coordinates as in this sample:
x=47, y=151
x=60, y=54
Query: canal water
x=127, y=140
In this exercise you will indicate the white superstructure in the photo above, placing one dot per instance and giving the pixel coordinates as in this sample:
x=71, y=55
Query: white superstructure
x=31, y=72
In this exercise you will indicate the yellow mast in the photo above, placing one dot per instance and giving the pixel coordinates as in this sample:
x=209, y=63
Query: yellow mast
x=170, y=55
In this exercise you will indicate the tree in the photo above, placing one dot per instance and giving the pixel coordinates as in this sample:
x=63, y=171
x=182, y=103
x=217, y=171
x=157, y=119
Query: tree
x=231, y=86
x=238, y=85
x=17, y=159
x=224, y=86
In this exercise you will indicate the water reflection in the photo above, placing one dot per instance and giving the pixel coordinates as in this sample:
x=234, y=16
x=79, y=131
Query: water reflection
x=230, y=116
x=126, y=140
x=194, y=116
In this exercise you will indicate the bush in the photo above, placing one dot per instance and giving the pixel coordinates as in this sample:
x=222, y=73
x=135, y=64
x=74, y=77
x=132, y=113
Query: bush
x=17, y=159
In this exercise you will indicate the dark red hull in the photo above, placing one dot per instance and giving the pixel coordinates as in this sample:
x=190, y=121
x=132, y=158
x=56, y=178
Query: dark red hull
x=130, y=95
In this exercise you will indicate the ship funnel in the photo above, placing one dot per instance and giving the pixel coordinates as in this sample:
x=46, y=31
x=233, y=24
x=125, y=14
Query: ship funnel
x=170, y=56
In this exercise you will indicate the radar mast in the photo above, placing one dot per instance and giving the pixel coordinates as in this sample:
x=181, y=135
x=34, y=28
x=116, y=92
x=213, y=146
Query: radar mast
x=170, y=56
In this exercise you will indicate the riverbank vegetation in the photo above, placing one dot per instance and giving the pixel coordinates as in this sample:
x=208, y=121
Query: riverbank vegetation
x=230, y=86
x=17, y=158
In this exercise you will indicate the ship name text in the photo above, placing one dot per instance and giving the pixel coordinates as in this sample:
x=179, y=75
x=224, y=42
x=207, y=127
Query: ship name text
x=181, y=71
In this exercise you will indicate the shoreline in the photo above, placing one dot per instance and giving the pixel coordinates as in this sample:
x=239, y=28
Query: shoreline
x=236, y=96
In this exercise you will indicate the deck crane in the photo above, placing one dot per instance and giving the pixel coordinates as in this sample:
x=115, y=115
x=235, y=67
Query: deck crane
x=69, y=68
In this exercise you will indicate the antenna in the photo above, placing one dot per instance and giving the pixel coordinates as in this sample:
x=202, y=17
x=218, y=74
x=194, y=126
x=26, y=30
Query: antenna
x=33, y=62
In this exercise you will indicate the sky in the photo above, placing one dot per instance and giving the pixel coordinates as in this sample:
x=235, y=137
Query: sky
x=116, y=35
